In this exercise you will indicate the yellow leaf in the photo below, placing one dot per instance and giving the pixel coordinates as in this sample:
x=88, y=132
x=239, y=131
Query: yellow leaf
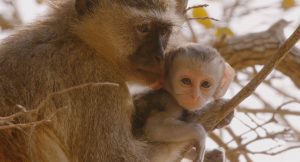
x=286, y=4
x=39, y=1
x=224, y=31
x=201, y=12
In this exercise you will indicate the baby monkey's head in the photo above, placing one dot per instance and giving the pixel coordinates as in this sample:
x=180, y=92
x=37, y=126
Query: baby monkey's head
x=195, y=74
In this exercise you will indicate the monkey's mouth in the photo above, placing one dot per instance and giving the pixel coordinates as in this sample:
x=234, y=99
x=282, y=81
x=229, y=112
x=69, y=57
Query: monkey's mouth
x=191, y=105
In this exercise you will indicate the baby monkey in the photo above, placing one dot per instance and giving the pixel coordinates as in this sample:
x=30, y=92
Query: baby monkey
x=194, y=74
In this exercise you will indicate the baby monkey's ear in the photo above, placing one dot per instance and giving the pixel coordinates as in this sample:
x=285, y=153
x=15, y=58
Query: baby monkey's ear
x=227, y=78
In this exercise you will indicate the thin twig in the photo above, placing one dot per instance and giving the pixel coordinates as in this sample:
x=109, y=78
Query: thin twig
x=23, y=111
x=75, y=88
x=194, y=37
x=24, y=125
x=203, y=18
x=30, y=124
x=197, y=6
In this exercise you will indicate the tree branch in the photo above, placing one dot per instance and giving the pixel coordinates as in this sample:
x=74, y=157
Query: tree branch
x=228, y=107
x=257, y=48
x=11, y=122
x=275, y=60
x=197, y=6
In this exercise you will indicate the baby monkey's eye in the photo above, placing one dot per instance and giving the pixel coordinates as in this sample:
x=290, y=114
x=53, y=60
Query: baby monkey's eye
x=143, y=28
x=205, y=84
x=186, y=81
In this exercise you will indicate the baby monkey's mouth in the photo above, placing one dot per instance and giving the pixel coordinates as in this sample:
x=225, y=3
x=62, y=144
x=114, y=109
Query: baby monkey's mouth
x=192, y=106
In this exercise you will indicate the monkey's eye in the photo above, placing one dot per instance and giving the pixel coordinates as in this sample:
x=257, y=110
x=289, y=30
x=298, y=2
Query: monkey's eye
x=144, y=28
x=186, y=81
x=205, y=84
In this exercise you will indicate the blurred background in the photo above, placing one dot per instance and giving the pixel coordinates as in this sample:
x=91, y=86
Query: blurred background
x=247, y=33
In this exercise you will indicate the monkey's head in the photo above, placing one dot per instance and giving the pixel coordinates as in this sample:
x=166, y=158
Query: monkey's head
x=195, y=74
x=132, y=34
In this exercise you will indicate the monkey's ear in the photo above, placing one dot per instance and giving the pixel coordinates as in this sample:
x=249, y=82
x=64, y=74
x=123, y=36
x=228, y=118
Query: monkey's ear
x=181, y=6
x=228, y=76
x=84, y=6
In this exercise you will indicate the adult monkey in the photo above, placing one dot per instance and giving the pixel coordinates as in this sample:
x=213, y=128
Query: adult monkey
x=82, y=41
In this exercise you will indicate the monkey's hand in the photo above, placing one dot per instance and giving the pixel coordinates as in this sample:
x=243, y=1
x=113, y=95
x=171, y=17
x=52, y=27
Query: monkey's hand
x=227, y=120
x=216, y=155
x=200, y=144
x=209, y=115
x=212, y=112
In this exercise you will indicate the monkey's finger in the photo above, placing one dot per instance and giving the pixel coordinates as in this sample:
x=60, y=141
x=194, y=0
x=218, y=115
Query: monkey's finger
x=216, y=155
x=200, y=150
x=226, y=121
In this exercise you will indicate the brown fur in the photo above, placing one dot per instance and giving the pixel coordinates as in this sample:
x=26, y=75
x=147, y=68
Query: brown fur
x=65, y=50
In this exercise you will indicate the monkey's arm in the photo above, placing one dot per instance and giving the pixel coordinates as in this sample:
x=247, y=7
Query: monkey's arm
x=162, y=127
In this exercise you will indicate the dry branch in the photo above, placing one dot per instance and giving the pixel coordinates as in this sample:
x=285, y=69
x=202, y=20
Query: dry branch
x=203, y=18
x=197, y=6
x=268, y=111
x=228, y=107
x=275, y=60
x=8, y=121
x=257, y=48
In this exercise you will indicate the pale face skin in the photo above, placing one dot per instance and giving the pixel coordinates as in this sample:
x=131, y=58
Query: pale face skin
x=192, y=83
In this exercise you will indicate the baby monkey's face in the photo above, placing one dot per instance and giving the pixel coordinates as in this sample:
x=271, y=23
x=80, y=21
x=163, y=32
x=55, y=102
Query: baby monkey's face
x=192, y=84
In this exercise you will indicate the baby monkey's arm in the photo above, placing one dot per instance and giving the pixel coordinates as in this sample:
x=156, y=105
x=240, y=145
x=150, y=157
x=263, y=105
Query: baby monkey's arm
x=162, y=127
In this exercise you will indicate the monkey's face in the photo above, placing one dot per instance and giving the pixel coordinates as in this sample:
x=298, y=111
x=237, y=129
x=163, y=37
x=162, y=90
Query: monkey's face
x=132, y=34
x=151, y=40
x=193, y=84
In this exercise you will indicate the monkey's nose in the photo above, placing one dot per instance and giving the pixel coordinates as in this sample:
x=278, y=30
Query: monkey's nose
x=195, y=98
x=159, y=60
x=195, y=95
